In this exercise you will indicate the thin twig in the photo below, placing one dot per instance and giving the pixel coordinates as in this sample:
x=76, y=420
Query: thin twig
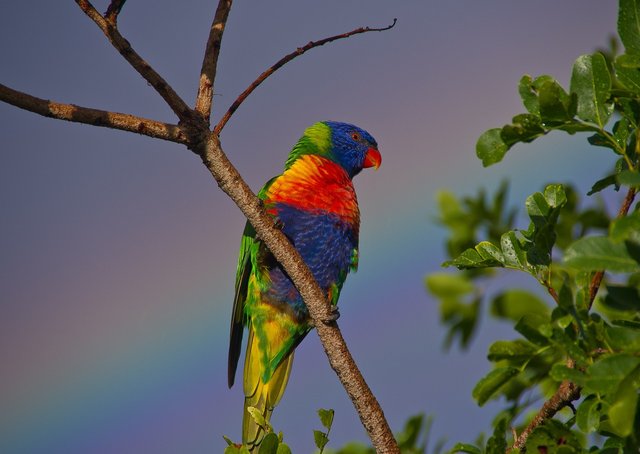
x=596, y=280
x=78, y=114
x=210, y=60
x=283, y=61
x=111, y=15
x=174, y=101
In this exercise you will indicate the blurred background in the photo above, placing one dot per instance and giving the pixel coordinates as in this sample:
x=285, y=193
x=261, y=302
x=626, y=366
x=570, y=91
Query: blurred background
x=118, y=252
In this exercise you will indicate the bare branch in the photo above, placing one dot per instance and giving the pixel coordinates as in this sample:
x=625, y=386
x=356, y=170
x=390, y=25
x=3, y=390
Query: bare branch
x=174, y=101
x=78, y=114
x=195, y=134
x=335, y=347
x=286, y=59
x=210, y=60
x=113, y=10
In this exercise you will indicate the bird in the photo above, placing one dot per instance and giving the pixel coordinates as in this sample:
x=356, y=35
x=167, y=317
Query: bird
x=313, y=202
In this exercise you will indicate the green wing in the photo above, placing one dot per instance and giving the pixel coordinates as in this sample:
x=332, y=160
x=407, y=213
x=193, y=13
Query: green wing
x=249, y=242
x=249, y=246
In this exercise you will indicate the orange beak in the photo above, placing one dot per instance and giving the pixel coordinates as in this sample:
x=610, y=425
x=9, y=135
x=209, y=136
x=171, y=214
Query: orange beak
x=372, y=158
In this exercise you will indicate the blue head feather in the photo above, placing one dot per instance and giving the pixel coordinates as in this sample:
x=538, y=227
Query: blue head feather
x=349, y=145
x=343, y=143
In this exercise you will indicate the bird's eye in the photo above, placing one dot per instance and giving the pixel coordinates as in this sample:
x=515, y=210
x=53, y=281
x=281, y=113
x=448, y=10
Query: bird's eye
x=355, y=136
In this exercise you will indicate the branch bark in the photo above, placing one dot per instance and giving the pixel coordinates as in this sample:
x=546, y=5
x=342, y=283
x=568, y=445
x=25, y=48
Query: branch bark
x=111, y=15
x=210, y=60
x=194, y=132
x=95, y=117
x=173, y=100
x=567, y=392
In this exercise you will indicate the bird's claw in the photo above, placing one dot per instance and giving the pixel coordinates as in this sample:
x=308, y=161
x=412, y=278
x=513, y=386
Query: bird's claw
x=332, y=318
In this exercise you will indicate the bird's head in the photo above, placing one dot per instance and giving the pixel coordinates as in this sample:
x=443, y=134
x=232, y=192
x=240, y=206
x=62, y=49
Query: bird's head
x=351, y=147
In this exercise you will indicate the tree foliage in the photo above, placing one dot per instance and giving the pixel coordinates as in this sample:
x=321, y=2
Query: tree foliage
x=580, y=350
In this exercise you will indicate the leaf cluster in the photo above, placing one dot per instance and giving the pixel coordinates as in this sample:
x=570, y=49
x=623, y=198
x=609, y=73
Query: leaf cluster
x=586, y=334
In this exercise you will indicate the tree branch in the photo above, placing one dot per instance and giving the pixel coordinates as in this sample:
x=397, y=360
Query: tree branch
x=368, y=408
x=283, y=61
x=567, y=392
x=111, y=15
x=195, y=134
x=210, y=60
x=596, y=280
x=78, y=114
x=174, y=101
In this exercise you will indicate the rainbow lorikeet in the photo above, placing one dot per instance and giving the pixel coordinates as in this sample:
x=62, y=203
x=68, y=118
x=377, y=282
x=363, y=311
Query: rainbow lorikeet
x=314, y=204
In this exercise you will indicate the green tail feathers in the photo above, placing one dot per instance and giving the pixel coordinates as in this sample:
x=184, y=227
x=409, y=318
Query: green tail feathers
x=260, y=395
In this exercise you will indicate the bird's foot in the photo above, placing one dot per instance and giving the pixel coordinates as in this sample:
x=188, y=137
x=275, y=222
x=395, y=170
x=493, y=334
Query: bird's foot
x=333, y=316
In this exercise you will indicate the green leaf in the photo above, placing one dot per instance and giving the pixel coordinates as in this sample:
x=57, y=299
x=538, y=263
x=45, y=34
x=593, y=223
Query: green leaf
x=629, y=25
x=556, y=106
x=599, y=253
x=628, y=72
x=591, y=81
x=466, y=448
x=482, y=256
x=629, y=178
x=603, y=183
x=283, y=448
x=269, y=444
x=492, y=382
x=408, y=438
x=490, y=147
x=625, y=337
x=622, y=298
x=605, y=375
x=552, y=437
x=320, y=439
x=625, y=228
x=514, y=304
x=516, y=349
x=258, y=417
x=497, y=443
x=326, y=417
x=445, y=285
x=623, y=409
x=555, y=196
x=588, y=414
x=530, y=327
x=560, y=372
x=514, y=254
x=524, y=128
x=529, y=97
x=627, y=324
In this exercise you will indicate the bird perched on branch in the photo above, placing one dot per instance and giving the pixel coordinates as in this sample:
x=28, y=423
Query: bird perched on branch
x=314, y=203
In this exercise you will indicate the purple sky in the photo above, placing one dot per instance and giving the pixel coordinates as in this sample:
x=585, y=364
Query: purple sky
x=118, y=252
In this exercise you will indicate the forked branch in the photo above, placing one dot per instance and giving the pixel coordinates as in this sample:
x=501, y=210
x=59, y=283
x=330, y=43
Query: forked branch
x=173, y=100
x=193, y=131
